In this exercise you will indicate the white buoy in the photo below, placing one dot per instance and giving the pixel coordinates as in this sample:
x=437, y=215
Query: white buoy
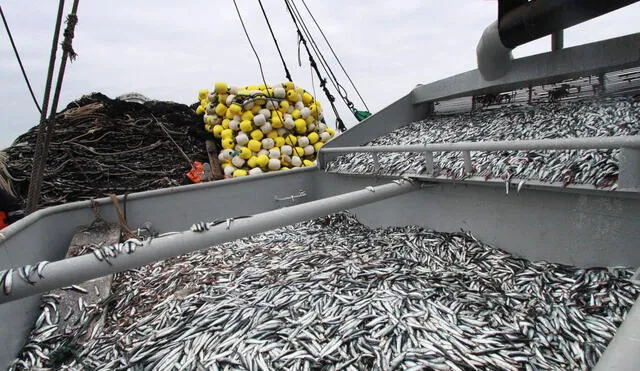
x=274, y=164
x=234, y=125
x=268, y=143
x=274, y=153
x=242, y=139
x=279, y=92
x=325, y=136
x=289, y=123
x=305, y=112
x=259, y=119
x=266, y=113
x=255, y=171
x=296, y=161
x=228, y=170
x=237, y=161
x=303, y=141
x=266, y=128
x=286, y=150
x=308, y=150
x=230, y=99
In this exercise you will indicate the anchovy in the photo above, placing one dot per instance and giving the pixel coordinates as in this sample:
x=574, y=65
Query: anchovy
x=7, y=281
x=332, y=293
x=585, y=118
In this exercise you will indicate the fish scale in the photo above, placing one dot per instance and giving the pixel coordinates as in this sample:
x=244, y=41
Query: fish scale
x=586, y=118
x=416, y=298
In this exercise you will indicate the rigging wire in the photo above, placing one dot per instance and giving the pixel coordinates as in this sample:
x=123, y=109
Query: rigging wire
x=323, y=82
x=360, y=115
x=334, y=54
x=318, y=54
x=15, y=50
x=286, y=70
x=264, y=81
x=244, y=28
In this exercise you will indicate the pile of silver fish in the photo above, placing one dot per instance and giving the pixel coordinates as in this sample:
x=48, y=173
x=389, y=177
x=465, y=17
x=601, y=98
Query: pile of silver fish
x=586, y=118
x=333, y=294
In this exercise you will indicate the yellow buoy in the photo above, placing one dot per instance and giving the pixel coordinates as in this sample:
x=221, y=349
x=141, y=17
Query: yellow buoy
x=239, y=173
x=331, y=132
x=276, y=120
x=263, y=160
x=301, y=126
x=317, y=146
x=257, y=134
x=226, y=133
x=256, y=108
x=291, y=140
x=313, y=137
x=254, y=145
x=292, y=96
x=279, y=141
x=299, y=151
x=252, y=161
x=273, y=135
x=202, y=94
x=228, y=143
x=225, y=123
x=235, y=109
x=221, y=87
x=306, y=98
x=247, y=115
x=245, y=153
x=217, y=131
x=307, y=162
x=200, y=110
x=284, y=106
x=221, y=109
x=246, y=126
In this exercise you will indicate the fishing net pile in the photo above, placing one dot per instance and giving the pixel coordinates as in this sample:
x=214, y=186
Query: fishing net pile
x=585, y=118
x=103, y=146
x=264, y=127
x=334, y=294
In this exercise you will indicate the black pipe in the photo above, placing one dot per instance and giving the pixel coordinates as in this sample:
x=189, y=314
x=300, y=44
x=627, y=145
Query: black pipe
x=540, y=18
x=557, y=40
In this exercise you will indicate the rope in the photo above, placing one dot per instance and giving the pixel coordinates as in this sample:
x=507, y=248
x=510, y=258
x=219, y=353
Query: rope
x=323, y=82
x=69, y=33
x=34, y=192
x=286, y=70
x=15, y=51
x=36, y=181
x=334, y=54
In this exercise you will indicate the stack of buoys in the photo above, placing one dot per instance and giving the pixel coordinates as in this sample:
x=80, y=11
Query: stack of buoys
x=264, y=128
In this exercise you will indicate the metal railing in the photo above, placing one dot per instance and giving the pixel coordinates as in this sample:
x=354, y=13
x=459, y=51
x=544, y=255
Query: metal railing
x=629, y=158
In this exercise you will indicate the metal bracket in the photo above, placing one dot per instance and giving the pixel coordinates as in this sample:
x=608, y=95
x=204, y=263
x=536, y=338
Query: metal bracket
x=291, y=198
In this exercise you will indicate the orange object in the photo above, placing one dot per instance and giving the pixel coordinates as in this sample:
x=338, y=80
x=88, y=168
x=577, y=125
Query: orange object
x=3, y=219
x=195, y=174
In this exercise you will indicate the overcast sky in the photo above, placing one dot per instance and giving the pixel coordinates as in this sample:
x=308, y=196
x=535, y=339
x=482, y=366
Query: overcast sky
x=168, y=50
